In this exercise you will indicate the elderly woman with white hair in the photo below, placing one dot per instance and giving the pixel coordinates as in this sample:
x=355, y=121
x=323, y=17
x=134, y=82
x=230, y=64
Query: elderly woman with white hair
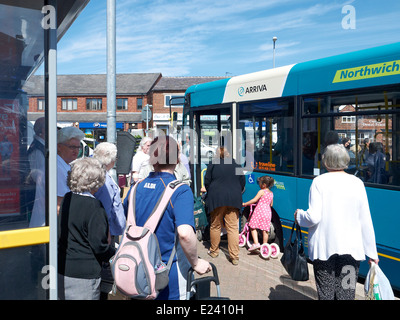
x=109, y=196
x=83, y=233
x=340, y=230
x=140, y=160
x=109, y=193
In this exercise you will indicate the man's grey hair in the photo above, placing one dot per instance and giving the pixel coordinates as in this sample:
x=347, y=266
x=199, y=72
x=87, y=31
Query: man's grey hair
x=68, y=133
x=87, y=174
x=106, y=153
x=336, y=157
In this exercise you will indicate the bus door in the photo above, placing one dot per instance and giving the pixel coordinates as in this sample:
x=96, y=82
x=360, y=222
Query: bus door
x=212, y=129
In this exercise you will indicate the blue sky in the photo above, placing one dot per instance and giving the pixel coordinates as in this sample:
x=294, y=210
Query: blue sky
x=222, y=37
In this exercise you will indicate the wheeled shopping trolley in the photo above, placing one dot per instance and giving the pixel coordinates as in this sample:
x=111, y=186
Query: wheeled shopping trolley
x=202, y=286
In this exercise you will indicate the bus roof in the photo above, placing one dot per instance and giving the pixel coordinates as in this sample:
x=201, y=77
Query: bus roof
x=365, y=68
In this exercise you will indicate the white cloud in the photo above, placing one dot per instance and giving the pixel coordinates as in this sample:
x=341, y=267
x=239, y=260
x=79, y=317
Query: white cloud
x=181, y=37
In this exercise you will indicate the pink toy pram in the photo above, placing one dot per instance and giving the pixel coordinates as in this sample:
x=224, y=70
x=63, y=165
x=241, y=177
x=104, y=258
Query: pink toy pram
x=266, y=250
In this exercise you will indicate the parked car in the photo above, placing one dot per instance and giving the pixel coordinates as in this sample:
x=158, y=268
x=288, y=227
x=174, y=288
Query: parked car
x=207, y=151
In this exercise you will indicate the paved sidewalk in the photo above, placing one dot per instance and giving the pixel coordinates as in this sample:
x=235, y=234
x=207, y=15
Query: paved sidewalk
x=256, y=278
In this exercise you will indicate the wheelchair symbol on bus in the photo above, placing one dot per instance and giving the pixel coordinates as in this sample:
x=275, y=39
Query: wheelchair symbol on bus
x=250, y=179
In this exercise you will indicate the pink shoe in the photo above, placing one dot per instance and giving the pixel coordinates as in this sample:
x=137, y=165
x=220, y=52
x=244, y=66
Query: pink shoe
x=254, y=247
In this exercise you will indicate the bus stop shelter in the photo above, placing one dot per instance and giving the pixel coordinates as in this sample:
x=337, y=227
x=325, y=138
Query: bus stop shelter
x=29, y=32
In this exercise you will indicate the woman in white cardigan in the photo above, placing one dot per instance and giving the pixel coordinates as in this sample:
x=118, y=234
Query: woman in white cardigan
x=341, y=233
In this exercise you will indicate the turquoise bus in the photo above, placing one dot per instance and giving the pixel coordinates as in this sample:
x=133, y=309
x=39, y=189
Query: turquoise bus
x=278, y=121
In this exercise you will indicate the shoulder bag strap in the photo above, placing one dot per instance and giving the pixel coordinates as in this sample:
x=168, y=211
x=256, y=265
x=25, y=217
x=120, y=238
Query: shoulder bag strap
x=291, y=233
x=299, y=236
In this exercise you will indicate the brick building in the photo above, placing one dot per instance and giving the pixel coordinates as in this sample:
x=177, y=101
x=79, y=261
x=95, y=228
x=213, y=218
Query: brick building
x=82, y=99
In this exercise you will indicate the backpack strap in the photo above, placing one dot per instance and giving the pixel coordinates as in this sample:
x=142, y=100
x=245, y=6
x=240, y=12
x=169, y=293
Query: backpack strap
x=171, y=257
x=131, y=217
x=158, y=212
x=161, y=205
x=158, y=209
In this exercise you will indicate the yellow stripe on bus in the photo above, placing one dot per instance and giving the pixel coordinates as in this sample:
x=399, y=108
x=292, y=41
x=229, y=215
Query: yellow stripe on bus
x=379, y=254
x=389, y=257
x=24, y=237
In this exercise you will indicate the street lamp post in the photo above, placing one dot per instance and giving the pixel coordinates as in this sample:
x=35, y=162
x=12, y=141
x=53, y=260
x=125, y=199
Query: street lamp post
x=274, y=40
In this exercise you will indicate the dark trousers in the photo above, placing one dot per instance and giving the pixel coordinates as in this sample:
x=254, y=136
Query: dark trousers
x=336, y=278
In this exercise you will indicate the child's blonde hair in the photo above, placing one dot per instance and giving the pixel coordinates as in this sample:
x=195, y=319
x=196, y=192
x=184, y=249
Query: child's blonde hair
x=267, y=180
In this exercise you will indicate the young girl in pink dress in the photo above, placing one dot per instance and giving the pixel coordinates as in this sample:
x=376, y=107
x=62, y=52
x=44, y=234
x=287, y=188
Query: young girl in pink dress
x=261, y=218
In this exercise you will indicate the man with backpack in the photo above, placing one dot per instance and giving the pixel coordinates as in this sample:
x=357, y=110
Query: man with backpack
x=176, y=227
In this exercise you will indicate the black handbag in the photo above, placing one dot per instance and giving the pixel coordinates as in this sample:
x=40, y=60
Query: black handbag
x=294, y=259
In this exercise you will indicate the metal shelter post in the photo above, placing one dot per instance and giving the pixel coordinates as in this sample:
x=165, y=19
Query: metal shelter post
x=51, y=142
x=111, y=95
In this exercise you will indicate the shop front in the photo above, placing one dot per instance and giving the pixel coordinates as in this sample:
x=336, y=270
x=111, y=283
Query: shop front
x=98, y=130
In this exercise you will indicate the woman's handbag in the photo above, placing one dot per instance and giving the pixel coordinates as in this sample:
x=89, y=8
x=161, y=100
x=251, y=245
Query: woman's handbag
x=294, y=259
